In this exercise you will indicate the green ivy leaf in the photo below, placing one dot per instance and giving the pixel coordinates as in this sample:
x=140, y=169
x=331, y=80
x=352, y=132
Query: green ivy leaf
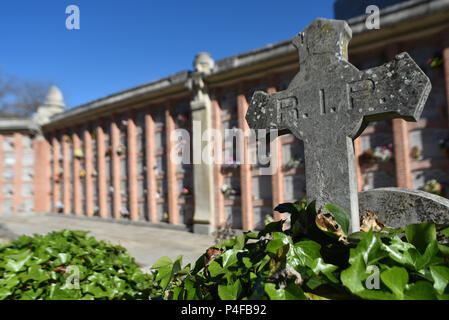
x=215, y=269
x=231, y=291
x=396, y=280
x=369, y=248
x=290, y=292
x=307, y=252
x=420, y=235
x=340, y=216
x=162, y=262
x=440, y=276
x=420, y=290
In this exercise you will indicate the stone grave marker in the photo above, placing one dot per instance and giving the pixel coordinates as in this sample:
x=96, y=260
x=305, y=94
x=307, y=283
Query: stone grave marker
x=330, y=102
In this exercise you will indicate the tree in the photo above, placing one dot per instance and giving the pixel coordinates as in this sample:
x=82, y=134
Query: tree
x=20, y=97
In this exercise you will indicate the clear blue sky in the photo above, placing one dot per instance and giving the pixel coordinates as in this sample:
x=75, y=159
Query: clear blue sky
x=122, y=44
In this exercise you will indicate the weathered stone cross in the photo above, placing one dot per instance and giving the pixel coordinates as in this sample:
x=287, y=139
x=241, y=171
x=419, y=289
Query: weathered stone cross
x=330, y=102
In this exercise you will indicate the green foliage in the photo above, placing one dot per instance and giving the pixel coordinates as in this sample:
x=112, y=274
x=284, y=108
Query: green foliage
x=48, y=266
x=306, y=262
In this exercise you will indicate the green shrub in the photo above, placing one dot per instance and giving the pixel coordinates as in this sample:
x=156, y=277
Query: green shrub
x=307, y=262
x=39, y=267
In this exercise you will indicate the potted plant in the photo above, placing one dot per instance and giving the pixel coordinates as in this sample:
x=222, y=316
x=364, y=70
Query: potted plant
x=121, y=150
x=229, y=191
x=82, y=173
x=124, y=212
x=416, y=153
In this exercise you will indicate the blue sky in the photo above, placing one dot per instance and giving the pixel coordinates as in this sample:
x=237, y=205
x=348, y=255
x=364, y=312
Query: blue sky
x=122, y=44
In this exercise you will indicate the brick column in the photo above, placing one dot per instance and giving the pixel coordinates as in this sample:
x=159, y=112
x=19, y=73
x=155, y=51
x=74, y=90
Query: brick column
x=115, y=164
x=77, y=206
x=18, y=155
x=358, y=152
x=101, y=178
x=150, y=164
x=1, y=171
x=66, y=174
x=88, y=164
x=401, y=142
x=41, y=179
x=132, y=170
x=245, y=168
x=56, y=171
x=277, y=179
x=220, y=214
x=173, y=214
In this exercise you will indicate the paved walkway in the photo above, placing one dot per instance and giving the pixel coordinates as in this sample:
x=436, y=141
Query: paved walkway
x=146, y=243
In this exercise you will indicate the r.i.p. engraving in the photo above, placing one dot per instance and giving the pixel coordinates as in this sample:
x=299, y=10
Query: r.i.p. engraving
x=330, y=102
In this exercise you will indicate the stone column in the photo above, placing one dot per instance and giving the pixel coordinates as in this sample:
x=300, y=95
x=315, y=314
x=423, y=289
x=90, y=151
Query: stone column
x=66, y=174
x=203, y=174
x=101, y=178
x=41, y=181
x=245, y=168
x=77, y=206
x=132, y=170
x=56, y=170
x=173, y=213
x=115, y=164
x=220, y=214
x=150, y=164
x=88, y=163
x=401, y=142
x=358, y=152
x=446, y=64
x=277, y=179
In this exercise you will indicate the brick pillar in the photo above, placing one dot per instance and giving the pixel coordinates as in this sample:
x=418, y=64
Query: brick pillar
x=88, y=164
x=277, y=179
x=56, y=171
x=358, y=152
x=41, y=179
x=401, y=142
x=150, y=148
x=66, y=174
x=101, y=178
x=115, y=164
x=18, y=155
x=132, y=170
x=173, y=214
x=1, y=171
x=220, y=215
x=77, y=206
x=245, y=168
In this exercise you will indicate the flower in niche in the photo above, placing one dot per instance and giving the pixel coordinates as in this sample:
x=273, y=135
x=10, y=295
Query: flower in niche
x=124, y=212
x=82, y=173
x=433, y=186
x=185, y=191
x=416, y=153
x=78, y=153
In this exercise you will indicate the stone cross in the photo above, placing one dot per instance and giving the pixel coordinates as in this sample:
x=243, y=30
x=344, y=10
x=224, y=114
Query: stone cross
x=330, y=102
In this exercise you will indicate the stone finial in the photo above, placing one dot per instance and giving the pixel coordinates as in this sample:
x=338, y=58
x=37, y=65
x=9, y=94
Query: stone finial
x=53, y=104
x=54, y=98
x=203, y=63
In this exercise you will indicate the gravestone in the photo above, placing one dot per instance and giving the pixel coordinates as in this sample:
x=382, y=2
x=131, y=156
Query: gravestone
x=398, y=207
x=330, y=102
